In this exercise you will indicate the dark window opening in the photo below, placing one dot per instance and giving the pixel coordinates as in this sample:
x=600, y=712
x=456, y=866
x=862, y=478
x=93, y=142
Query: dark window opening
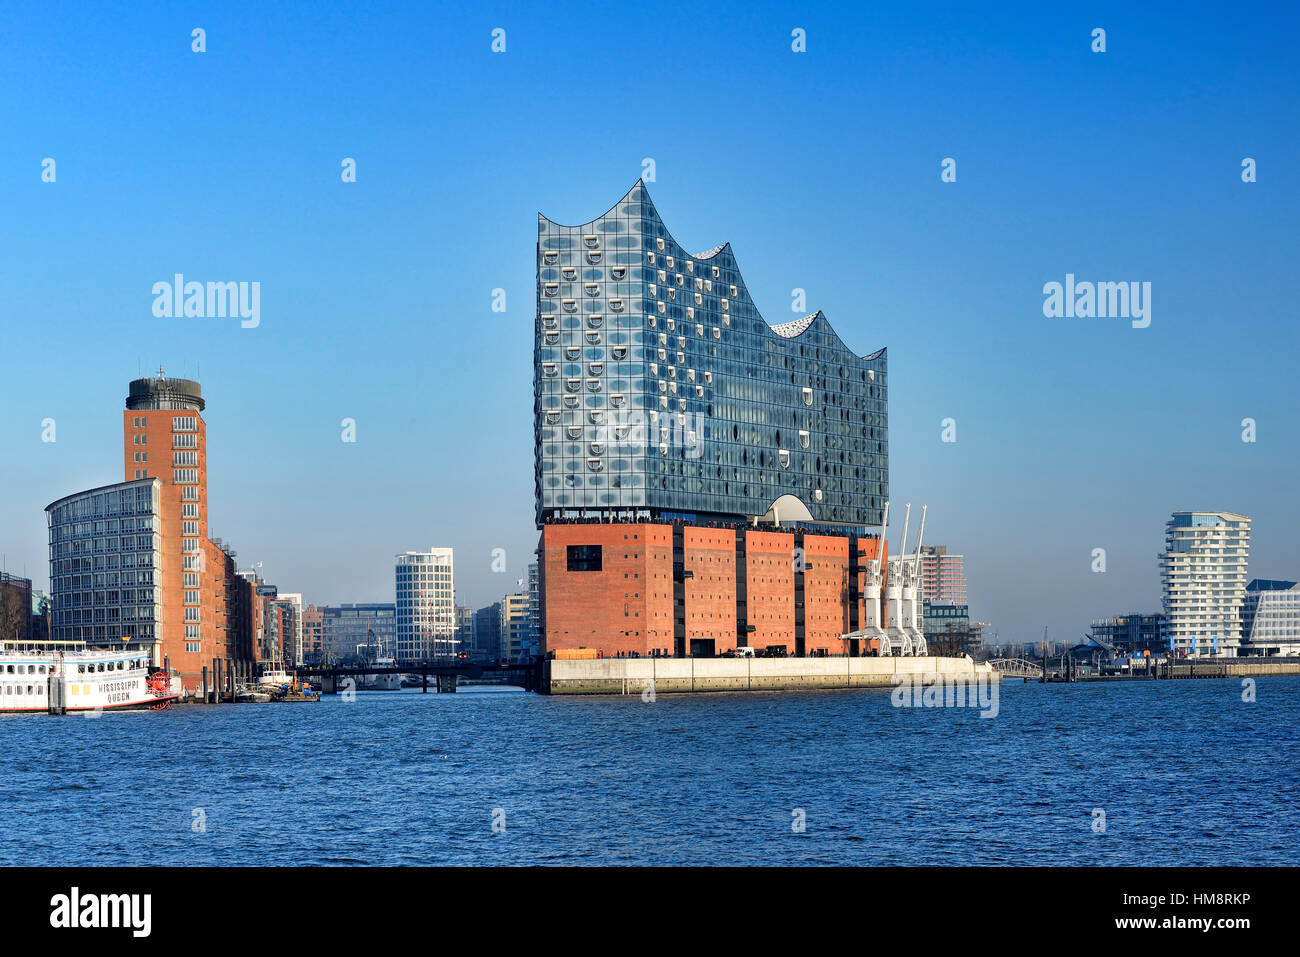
x=584, y=558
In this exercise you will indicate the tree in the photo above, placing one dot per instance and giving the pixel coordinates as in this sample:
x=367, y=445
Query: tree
x=14, y=613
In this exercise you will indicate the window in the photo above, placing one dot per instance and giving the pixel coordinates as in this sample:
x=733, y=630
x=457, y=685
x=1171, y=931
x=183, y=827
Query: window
x=584, y=558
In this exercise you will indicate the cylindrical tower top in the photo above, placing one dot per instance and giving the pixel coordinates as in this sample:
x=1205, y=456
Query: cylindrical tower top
x=163, y=393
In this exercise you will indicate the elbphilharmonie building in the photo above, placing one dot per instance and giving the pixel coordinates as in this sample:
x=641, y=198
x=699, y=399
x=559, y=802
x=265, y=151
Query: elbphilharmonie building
x=662, y=393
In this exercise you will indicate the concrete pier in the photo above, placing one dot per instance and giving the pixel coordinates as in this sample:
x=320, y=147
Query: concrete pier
x=692, y=675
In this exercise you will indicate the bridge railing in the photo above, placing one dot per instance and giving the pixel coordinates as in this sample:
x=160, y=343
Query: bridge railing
x=1017, y=667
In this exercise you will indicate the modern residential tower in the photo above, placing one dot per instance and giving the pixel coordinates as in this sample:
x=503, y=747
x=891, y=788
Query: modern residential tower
x=1203, y=580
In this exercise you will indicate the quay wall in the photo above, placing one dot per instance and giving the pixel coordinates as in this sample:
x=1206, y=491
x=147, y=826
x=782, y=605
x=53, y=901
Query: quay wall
x=692, y=675
x=1232, y=668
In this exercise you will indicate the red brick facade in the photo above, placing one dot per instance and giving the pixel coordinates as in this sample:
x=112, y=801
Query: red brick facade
x=625, y=607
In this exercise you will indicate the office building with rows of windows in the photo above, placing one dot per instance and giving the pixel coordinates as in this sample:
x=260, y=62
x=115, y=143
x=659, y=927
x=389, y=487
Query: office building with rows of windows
x=426, y=605
x=688, y=453
x=196, y=611
x=106, y=564
x=1271, y=618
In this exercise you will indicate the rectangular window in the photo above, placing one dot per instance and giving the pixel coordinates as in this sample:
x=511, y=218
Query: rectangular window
x=584, y=558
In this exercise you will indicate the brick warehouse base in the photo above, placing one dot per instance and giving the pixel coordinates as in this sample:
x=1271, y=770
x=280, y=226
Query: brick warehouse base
x=677, y=590
x=687, y=675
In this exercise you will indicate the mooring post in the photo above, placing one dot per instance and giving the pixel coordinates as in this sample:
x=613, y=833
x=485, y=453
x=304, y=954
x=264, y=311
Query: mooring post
x=424, y=680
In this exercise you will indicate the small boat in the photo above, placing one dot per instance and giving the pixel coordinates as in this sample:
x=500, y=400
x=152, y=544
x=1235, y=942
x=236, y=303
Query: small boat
x=276, y=684
x=248, y=695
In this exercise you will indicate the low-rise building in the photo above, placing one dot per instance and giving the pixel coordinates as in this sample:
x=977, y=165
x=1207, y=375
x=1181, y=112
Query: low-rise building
x=1271, y=618
x=1132, y=634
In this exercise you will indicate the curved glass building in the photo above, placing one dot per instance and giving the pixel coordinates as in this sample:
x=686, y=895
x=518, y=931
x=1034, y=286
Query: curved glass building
x=661, y=392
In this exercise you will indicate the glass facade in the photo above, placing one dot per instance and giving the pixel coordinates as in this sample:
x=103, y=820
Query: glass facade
x=105, y=563
x=347, y=626
x=1271, y=618
x=658, y=387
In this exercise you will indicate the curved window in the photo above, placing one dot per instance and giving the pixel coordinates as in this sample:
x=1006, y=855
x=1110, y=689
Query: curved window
x=619, y=352
x=570, y=305
x=616, y=305
x=574, y=431
x=550, y=257
x=593, y=288
x=550, y=322
x=595, y=368
x=570, y=273
x=593, y=385
x=572, y=352
x=550, y=289
x=571, y=401
x=803, y=439
x=552, y=338
x=595, y=320
x=573, y=385
x=552, y=417
x=593, y=338
x=807, y=394
x=595, y=465
x=618, y=272
x=591, y=242
x=593, y=258
x=617, y=399
x=783, y=458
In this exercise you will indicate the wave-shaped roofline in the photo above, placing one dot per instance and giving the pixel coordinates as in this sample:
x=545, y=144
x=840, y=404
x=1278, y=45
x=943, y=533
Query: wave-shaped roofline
x=713, y=253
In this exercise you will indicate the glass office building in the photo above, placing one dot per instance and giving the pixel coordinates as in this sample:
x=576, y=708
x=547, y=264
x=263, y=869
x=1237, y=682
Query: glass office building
x=1270, y=618
x=660, y=392
x=106, y=564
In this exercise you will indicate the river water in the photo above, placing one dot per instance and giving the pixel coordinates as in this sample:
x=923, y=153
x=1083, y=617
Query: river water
x=1177, y=772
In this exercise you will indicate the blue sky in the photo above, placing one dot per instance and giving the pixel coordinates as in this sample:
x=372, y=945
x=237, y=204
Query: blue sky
x=822, y=169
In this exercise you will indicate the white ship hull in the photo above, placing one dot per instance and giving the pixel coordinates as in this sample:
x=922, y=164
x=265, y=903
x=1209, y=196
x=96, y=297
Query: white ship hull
x=90, y=680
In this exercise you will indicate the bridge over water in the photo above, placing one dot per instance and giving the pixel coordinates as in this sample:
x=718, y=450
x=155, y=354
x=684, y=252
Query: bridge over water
x=444, y=671
x=1017, y=667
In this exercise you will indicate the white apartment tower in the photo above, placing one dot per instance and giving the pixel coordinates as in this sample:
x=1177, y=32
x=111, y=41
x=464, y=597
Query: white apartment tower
x=426, y=605
x=1203, y=581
